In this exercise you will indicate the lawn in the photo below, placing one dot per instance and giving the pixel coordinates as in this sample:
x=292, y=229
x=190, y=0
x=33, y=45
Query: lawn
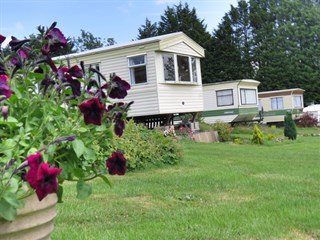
x=219, y=191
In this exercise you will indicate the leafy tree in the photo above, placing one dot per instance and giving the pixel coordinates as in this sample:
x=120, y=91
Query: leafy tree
x=148, y=30
x=290, y=129
x=88, y=41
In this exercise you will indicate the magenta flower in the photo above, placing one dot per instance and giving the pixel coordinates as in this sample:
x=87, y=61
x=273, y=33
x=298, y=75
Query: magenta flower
x=34, y=161
x=119, y=88
x=5, y=91
x=92, y=111
x=47, y=180
x=117, y=164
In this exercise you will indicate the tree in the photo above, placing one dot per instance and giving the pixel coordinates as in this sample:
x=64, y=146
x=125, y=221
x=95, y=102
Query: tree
x=148, y=30
x=88, y=41
x=290, y=129
x=181, y=18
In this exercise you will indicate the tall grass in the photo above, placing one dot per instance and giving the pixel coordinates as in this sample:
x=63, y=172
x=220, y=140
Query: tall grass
x=219, y=191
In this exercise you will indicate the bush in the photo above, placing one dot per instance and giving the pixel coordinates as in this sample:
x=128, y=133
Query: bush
x=142, y=146
x=257, y=137
x=290, y=130
x=224, y=130
x=307, y=120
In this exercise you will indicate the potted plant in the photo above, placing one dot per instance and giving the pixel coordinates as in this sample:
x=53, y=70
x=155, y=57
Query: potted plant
x=56, y=122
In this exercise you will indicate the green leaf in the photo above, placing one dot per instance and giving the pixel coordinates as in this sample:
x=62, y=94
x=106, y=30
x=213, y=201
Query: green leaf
x=7, y=211
x=83, y=190
x=78, y=147
x=106, y=180
x=11, y=198
x=60, y=193
x=89, y=154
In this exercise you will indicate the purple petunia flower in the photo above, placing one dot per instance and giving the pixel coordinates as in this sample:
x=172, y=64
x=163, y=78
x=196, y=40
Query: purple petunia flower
x=34, y=161
x=5, y=91
x=16, y=44
x=117, y=163
x=75, y=86
x=56, y=41
x=92, y=111
x=118, y=87
x=75, y=71
x=46, y=180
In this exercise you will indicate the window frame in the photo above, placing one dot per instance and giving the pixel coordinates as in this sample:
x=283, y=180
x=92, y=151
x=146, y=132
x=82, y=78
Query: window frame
x=226, y=95
x=300, y=100
x=132, y=67
x=192, y=67
x=277, y=103
x=245, y=96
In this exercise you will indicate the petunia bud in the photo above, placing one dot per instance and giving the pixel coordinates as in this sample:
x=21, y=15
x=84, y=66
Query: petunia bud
x=5, y=112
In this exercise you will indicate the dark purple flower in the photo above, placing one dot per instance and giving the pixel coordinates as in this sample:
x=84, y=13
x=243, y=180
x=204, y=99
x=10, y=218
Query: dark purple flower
x=119, y=126
x=75, y=71
x=92, y=111
x=56, y=41
x=16, y=44
x=116, y=164
x=5, y=91
x=56, y=36
x=46, y=82
x=75, y=86
x=2, y=38
x=118, y=87
x=65, y=138
x=46, y=180
x=34, y=161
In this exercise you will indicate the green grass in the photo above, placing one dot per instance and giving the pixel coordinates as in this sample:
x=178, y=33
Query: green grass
x=219, y=191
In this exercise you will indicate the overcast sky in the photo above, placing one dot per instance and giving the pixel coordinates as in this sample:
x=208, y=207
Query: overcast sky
x=119, y=19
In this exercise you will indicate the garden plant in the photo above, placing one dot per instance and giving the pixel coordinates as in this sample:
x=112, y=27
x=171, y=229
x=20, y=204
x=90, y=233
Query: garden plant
x=53, y=118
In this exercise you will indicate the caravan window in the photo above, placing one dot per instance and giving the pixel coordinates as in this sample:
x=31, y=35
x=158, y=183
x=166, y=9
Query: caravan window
x=248, y=96
x=297, y=101
x=277, y=103
x=138, y=70
x=224, y=97
x=179, y=68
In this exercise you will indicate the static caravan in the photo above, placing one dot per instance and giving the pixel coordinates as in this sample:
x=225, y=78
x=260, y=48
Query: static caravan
x=230, y=101
x=164, y=73
x=275, y=104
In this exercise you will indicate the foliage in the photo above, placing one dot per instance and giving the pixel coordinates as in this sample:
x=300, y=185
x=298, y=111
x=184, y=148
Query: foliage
x=44, y=139
x=224, y=130
x=271, y=41
x=142, y=146
x=307, y=120
x=148, y=30
x=270, y=136
x=237, y=141
x=290, y=130
x=88, y=41
x=257, y=136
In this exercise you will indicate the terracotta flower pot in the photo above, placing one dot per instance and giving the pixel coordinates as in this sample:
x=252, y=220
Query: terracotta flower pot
x=34, y=221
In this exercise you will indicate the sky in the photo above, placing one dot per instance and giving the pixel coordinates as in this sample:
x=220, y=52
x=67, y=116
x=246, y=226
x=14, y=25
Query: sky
x=118, y=19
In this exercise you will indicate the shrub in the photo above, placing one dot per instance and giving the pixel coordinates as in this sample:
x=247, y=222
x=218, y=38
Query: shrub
x=257, y=137
x=270, y=136
x=237, y=141
x=290, y=130
x=224, y=130
x=143, y=146
x=307, y=120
